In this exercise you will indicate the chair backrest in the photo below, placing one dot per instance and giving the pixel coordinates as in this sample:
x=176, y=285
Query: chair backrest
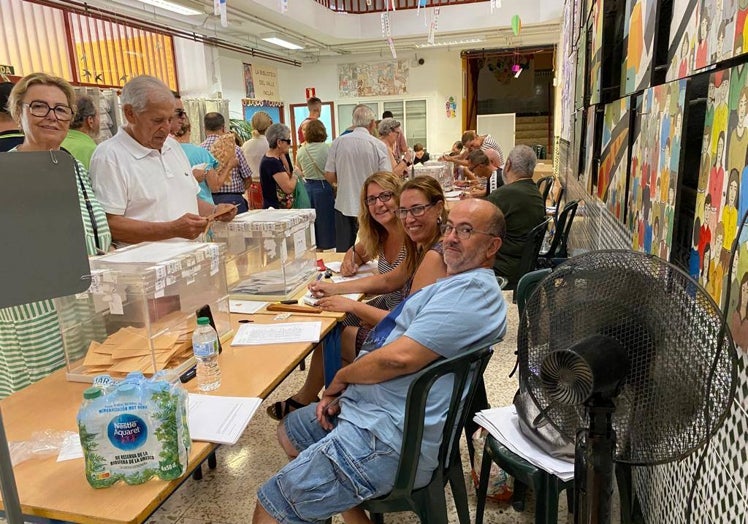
x=544, y=186
x=563, y=226
x=527, y=285
x=530, y=252
x=466, y=367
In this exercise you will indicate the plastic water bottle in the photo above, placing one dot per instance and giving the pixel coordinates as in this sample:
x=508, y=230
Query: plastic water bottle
x=205, y=347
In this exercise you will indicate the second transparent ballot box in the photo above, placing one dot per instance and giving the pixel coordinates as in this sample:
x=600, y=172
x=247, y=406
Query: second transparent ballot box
x=140, y=310
x=272, y=252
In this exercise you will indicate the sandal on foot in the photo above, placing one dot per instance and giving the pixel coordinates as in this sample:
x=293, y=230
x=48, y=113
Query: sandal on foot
x=280, y=409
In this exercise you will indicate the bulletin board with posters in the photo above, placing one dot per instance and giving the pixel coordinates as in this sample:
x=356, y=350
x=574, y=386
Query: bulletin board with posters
x=638, y=45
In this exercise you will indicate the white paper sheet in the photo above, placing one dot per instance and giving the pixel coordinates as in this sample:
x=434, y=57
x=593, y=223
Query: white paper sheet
x=220, y=419
x=370, y=267
x=503, y=424
x=262, y=334
x=246, y=306
x=309, y=300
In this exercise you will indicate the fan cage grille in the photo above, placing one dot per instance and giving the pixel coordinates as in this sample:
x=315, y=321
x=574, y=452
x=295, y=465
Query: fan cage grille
x=670, y=328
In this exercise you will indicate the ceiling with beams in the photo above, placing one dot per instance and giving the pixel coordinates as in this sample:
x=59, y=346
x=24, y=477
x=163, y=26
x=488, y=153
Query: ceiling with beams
x=325, y=31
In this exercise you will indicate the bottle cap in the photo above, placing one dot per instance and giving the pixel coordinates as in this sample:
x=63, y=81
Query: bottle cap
x=203, y=321
x=91, y=393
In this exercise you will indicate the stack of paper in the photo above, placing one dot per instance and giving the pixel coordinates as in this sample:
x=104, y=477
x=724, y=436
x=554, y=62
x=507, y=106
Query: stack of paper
x=220, y=419
x=310, y=300
x=290, y=332
x=503, y=424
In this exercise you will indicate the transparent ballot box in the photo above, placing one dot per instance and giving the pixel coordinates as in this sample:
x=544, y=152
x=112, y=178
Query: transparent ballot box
x=441, y=171
x=272, y=252
x=140, y=310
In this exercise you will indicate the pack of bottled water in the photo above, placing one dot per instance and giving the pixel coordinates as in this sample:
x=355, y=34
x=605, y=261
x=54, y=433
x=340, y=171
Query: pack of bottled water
x=134, y=430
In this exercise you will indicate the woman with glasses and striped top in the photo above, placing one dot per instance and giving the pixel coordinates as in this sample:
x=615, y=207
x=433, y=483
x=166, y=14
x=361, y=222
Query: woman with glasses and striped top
x=30, y=339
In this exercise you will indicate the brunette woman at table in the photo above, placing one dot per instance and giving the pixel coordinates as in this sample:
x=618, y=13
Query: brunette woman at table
x=421, y=211
x=30, y=340
x=276, y=172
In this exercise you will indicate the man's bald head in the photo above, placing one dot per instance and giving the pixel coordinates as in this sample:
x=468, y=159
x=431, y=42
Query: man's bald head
x=484, y=226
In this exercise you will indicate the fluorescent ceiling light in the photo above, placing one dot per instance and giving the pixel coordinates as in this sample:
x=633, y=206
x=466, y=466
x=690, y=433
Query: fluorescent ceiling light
x=174, y=8
x=446, y=43
x=281, y=41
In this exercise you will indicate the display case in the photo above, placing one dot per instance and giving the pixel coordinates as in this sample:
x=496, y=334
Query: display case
x=441, y=171
x=272, y=252
x=140, y=310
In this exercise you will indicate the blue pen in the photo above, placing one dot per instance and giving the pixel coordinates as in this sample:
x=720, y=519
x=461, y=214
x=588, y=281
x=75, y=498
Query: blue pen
x=319, y=276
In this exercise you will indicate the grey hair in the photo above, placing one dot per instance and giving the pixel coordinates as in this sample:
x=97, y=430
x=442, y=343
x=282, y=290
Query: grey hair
x=387, y=126
x=275, y=132
x=362, y=116
x=86, y=108
x=143, y=90
x=522, y=159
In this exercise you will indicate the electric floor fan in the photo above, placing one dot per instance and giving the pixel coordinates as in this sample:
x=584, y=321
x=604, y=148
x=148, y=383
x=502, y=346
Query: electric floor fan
x=629, y=357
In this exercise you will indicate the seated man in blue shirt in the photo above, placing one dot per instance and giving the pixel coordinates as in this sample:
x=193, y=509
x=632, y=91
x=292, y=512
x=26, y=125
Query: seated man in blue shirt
x=346, y=453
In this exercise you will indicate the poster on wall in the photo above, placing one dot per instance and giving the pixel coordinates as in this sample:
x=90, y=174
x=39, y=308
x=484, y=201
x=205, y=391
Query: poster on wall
x=681, y=48
x=596, y=53
x=715, y=32
x=722, y=196
x=261, y=82
x=375, y=79
x=568, y=70
x=614, y=156
x=638, y=45
x=655, y=168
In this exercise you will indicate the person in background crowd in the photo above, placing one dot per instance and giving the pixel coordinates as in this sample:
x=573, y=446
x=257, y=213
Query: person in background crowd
x=30, y=339
x=311, y=159
x=276, y=173
x=256, y=147
x=84, y=130
x=180, y=115
x=400, y=149
x=143, y=178
x=389, y=131
x=232, y=191
x=10, y=135
x=421, y=155
x=314, y=105
x=472, y=141
x=522, y=206
x=347, y=453
x=205, y=168
x=351, y=157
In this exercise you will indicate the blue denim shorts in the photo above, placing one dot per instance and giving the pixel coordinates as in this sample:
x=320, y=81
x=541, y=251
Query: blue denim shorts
x=334, y=472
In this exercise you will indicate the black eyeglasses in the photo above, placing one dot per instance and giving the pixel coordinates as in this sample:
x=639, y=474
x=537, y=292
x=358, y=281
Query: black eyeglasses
x=286, y=140
x=41, y=109
x=180, y=113
x=462, y=232
x=384, y=196
x=416, y=211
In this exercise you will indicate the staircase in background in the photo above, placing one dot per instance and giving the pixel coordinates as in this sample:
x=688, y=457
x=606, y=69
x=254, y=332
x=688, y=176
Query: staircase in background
x=532, y=130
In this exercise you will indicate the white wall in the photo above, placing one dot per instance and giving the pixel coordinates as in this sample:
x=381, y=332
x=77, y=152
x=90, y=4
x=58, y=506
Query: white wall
x=439, y=78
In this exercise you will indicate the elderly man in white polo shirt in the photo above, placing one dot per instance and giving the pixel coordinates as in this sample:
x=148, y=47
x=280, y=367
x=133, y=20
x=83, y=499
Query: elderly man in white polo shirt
x=352, y=158
x=142, y=177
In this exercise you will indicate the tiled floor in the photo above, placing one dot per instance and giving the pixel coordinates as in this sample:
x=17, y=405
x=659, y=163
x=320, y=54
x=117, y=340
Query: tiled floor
x=226, y=495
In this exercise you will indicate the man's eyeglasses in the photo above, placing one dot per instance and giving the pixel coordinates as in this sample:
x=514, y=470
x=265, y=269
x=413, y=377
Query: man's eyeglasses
x=384, y=196
x=180, y=113
x=286, y=140
x=416, y=211
x=41, y=109
x=462, y=232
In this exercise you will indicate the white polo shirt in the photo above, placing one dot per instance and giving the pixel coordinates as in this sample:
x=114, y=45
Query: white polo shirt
x=143, y=183
x=353, y=157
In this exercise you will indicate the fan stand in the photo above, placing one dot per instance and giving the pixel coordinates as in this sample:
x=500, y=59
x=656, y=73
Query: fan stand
x=594, y=464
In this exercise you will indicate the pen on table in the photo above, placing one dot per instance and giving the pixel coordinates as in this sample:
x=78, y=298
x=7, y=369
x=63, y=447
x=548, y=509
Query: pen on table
x=319, y=276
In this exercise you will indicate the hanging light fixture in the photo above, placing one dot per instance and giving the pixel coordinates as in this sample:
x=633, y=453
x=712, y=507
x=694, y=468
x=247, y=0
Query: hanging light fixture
x=517, y=70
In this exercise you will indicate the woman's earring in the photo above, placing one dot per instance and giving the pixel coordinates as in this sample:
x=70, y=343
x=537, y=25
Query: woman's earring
x=438, y=221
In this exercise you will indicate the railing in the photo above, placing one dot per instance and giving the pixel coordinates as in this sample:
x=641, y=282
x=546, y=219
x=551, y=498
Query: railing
x=377, y=6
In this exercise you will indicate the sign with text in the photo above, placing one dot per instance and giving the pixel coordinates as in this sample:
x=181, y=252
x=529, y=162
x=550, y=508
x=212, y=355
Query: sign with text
x=7, y=70
x=310, y=93
x=261, y=82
